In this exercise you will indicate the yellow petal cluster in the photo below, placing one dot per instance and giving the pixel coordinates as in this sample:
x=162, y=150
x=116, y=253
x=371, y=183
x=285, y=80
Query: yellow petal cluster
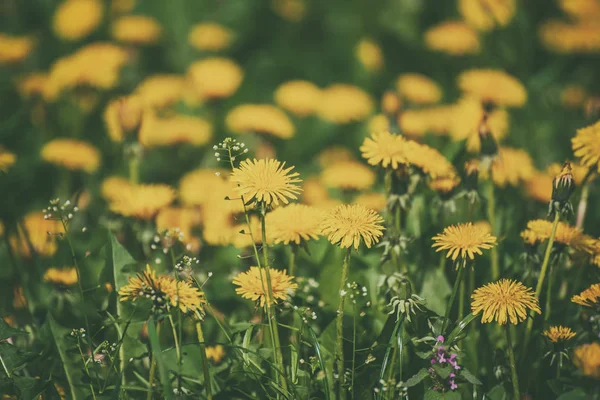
x=539, y=230
x=72, y=154
x=174, y=129
x=76, y=19
x=350, y=225
x=260, y=118
x=342, y=103
x=485, y=15
x=210, y=36
x=418, y=88
x=252, y=283
x=298, y=97
x=504, y=301
x=161, y=90
x=586, y=145
x=293, y=223
x=61, y=276
x=142, y=201
x=215, y=78
x=369, y=54
x=14, y=49
x=566, y=37
x=493, y=86
x=452, y=37
x=464, y=240
x=136, y=29
x=348, y=175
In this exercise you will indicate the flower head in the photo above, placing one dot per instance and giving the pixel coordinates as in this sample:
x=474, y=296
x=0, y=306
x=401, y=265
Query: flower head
x=159, y=91
x=266, y=180
x=590, y=297
x=41, y=235
x=369, y=54
x=252, y=282
x=142, y=201
x=587, y=358
x=586, y=145
x=444, y=185
x=559, y=333
x=493, y=86
x=539, y=230
x=7, y=159
x=199, y=187
x=136, y=29
x=435, y=120
x=293, y=224
x=122, y=116
x=503, y=301
x=348, y=175
x=298, y=97
x=566, y=37
x=72, y=154
x=341, y=104
x=260, y=118
x=512, y=167
x=485, y=15
x=418, y=88
x=467, y=117
x=385, y=149
x=75, y=19
x=174, y=129
x=210, y=36
x=215, y=78
x=14, y=49
x=61, y=276
x=348, y=225
x=464, y=240
x=453, y=37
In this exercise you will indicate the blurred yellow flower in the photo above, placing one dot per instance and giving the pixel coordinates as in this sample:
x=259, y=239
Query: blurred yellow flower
x=573, y=96
x=72, y=154
x=378, y=123
x=136, y=29
x=266, y=180
x=418, y=88
x=493, y=86
x=315, y=193
x=184, y=219
x=586, y=145
x=32, y=84
x=198, y=187
x=444, y=185
x=503, y=301
x=342, y=103
x=174, y=129
x=76, y=19
x=578, y=171
x=453, y=37
x=210, y=36
x=215, y=353
x=293, y=223
x=511, y=167
x=372, y=200
x=429, y=160
x=565, y=37
x=349, y=225
x=348, y=175
x=587, y=358
x=122, y=116
x=35, y=231
x=369, y=54
x=464, y=240
x=260, y=118
x=162, y=90
x=142, y=201
x=290, y=10
x=7, y=159
x=539, y=230
x=581, y=9
x=252, y=282
x=485, y=15
x=436, y=120
x=385, y=149
x=334, y=154
x=113, y=186
x=539, y=187
x=590, y=297
x=298, y=97
x=467, y=117
x=61, y=276
x=215, y=78
x=14, y=49
x=559, y=333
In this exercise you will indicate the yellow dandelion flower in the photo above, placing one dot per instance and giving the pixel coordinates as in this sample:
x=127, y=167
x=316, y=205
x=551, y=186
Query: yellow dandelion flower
x=293, y=224
x=14, y=49
x=453, y=37
x=298, y=97
x=418, y=88
x=463, y=240
x=348, y=175
x=573, y=96
x=586, y=145
x=429, y=160
x=587, y=358
x=136, y=29
x=315, y=193
x=493, y=86
x=559, y=333
x=35, y=232
x=378, y=123
x=436, y=120
x=142, y=201
x=210, y=36
x=590, y=297
x=581, y=9
x=385, y=149
x=342, y=103
x=61, y=276
x=122, y=116
x=374, y=201
x=7, y=159
x=32, y=84
x=72, y=154
x=369, y=54
x=215, y=353
x=333, y=155
x=197, y=187
x=260, y=118
x=539, y=187
x=252, y=282
x=539, y=230
x=503, y=301
x=466, y=118
x=267, y=181
x=512, y=167
x=566, y=37
x=444, y=185
x=215, y=78
x=347, y=225
x=174, y=129
x=162, y=90
x=76, y=19
x=485, y=15
x=113, y=186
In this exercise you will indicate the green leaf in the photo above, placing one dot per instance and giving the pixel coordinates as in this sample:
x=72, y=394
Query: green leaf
x=158, y=358
x=497, y=393
x=469, y=377
x=431, y=394
x=577, y=394
x=120, y=258
x=435, y=290
x=7, y=331
x=417, y=378
x=12, y=356
x=29, y=388
x=459, y=328
x=443, y=372
x=72, y=369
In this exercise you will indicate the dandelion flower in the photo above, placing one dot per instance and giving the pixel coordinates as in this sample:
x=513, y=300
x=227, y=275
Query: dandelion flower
x=142, y=201
x=260, y=118
x=512, y=167
x=348, y=225
x=493, y=86
x=418, y=88
x=539, y=187
x=453, y=37
x=464, y=240
x=210, y=36
x=578, y=171
x=122, y=116
x=293, y=224
x=266, y=180
x=369, y=54
x=215, y=353
x=113, y=186
x=38, y=232
x=174, y=129
x=61, y=276
x=342, y=104
x=429, y=160
x=76, y=19
x=136, y=29
x=466, y=118
x=540, y=230
x=215, y=78
x=374, y=201
x=197, y=187
x=435, y=120
x=162, y=90
x=14, y=49
x=252, y=282
x=503, y=301
x=7, y=159
x=559, y=333
x=586, y=145
x=568, y=38
x=444, y=185
x=298, y=97
x=348, y=175
x=385, y=149
x=72, y=154
x=485, y=15
x=587, y=358
x=581, y=9
x=590, y=297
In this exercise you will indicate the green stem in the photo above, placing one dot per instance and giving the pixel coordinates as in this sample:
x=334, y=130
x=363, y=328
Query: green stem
x=582, y=207
x=491, y=211
x=176, y=339
x=461, y=300
x=513, y=367
x=205, y=370
x=461, y=271
x=134, y=169
x=353, y=351
x=152, y=370
x=549, y=297
x=292, y=263
x=339, y=348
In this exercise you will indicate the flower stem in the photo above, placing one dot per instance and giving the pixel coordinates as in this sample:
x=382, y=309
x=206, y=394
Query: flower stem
x=205, y=370
x=134, y=169
x=548, y=297
x=461, y=271
x=339, y=342
x=175, y=337
x=152, y=369
x=292, y=263
x=582, y=207
x=461, y=300
x=491, y=211
x=513, y=367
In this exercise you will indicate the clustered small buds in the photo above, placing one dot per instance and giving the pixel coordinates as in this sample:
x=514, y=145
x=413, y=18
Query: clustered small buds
x=563, y=186
x=78, y=333
x=229, y=149
x=60, y=212
x=441, y=358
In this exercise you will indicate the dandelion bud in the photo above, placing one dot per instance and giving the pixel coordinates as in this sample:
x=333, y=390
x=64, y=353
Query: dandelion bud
x=489, y=146
x=563, y=184
x=130, y=112
x=390, y=103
